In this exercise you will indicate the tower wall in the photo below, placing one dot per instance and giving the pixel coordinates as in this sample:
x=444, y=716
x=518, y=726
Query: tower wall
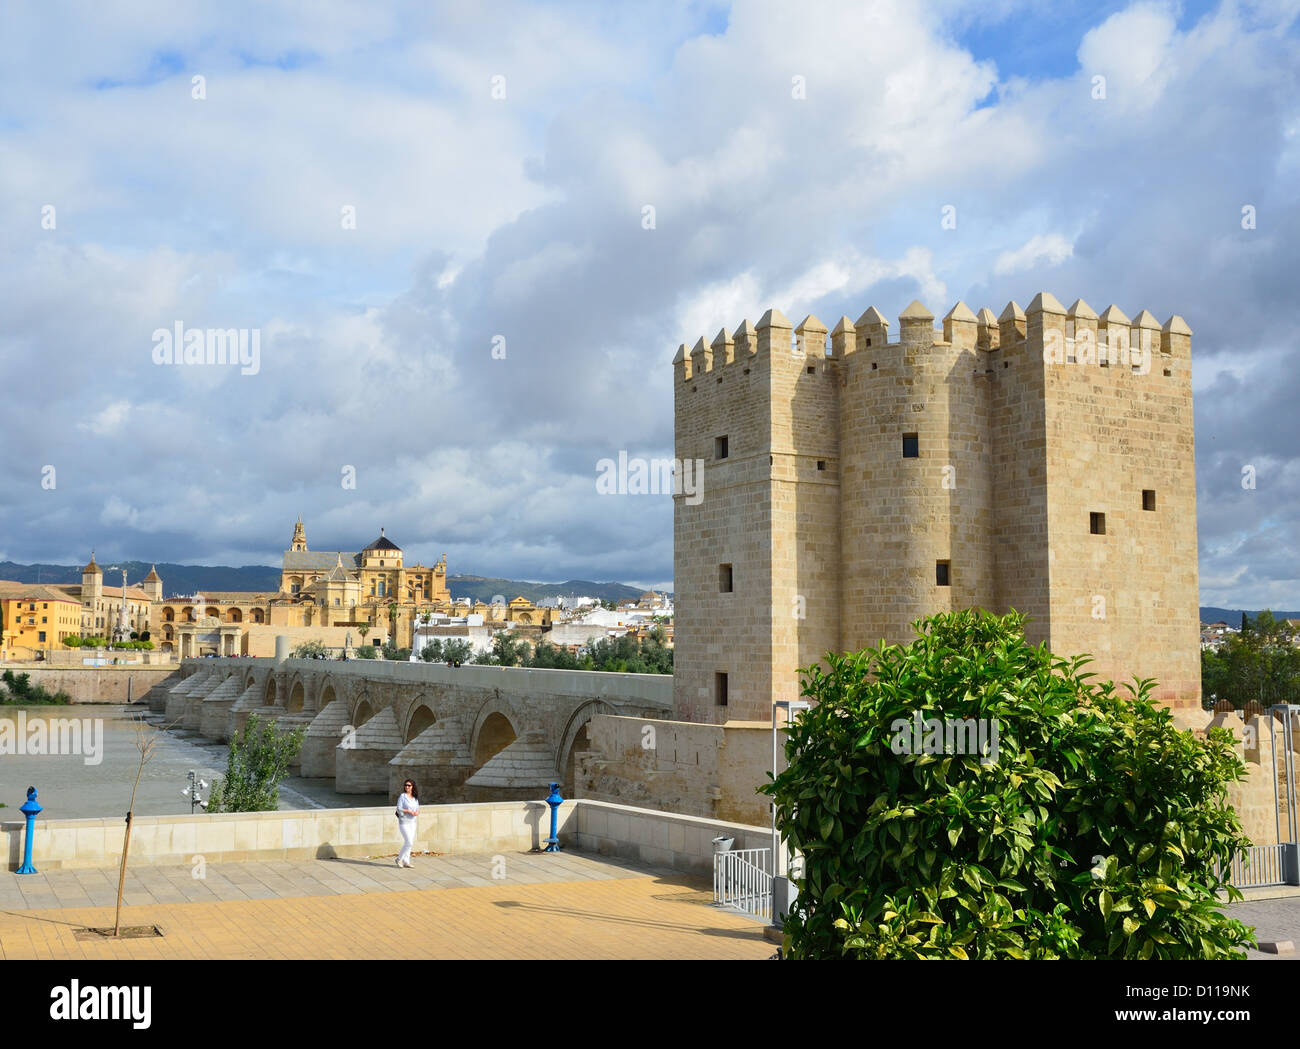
x=765, y=509
x=1128, y=596
x=901, y=516
x=1022, y=433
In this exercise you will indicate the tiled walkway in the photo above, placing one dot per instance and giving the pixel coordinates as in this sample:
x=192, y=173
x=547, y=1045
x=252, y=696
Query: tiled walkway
x=546, y=907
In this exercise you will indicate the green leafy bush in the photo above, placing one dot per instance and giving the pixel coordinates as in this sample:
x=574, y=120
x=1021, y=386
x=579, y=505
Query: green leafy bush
x=367, y=652
x=259, y=759
x=18, y=690
x=309, y=650
x=1099, y=831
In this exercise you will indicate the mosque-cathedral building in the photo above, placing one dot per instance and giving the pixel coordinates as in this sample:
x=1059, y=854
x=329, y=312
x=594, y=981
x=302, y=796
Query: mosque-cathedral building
x=333, y=596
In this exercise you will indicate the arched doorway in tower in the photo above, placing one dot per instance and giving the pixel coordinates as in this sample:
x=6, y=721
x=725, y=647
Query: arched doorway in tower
x=496, y=734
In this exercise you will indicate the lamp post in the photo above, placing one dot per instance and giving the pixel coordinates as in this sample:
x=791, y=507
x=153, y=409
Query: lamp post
x=192, y=791
x=781, y=895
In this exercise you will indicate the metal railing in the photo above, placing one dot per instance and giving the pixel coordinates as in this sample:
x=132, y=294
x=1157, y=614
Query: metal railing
x=743, y=879
x=1257, y=866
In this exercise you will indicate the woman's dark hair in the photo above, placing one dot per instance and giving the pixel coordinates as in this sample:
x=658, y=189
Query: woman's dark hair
x=415, y=790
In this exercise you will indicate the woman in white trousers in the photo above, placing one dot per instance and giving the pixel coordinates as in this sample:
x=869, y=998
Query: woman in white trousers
x=408, y=808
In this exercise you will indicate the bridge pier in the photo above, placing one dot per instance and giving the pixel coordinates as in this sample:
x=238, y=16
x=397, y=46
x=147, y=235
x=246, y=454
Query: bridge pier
x=438, y=759
x=320, y=742
x=194, y=701
x=363, y=767
x=224, y=694
x=174, y=708
x=521, y=772
x=216, y=709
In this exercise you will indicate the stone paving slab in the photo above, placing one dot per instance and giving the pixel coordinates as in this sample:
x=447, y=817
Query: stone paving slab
x=283, y=879
x=634, y=912
x=1275, y=919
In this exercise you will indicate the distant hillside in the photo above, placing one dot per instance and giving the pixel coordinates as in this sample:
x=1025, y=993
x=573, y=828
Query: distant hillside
x=191, y=579
x=483, y=588
x=1232, y=616
x=177, y=579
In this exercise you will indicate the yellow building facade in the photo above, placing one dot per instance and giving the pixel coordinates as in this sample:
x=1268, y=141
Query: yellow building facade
x=35, y=618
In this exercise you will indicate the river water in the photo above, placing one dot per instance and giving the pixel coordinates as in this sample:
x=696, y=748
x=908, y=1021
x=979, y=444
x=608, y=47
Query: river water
x=75, y=786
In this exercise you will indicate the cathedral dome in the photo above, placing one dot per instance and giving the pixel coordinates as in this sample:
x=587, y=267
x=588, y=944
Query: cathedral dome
x=383, y=544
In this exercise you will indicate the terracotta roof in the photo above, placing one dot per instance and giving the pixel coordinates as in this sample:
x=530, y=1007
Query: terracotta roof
x=33, y=592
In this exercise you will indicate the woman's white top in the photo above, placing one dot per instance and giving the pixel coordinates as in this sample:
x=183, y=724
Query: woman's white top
x=408, y=806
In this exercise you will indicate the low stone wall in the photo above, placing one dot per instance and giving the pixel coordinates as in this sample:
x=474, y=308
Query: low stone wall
x=665, y=839
x=75, y=657
x=706, y=770
x=284, y=835
x=97, y=684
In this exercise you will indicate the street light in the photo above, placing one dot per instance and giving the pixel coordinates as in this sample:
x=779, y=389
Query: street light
x=192, y=791
x=780, y=865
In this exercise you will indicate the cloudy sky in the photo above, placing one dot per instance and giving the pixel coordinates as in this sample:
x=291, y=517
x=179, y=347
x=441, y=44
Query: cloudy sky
x=496, y=159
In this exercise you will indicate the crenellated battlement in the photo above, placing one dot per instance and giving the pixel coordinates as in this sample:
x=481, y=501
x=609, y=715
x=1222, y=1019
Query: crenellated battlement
x=1046, y=331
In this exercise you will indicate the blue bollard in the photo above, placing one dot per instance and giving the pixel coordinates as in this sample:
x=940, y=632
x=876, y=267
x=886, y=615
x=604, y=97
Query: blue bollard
x=29, y=808
x=555, y=801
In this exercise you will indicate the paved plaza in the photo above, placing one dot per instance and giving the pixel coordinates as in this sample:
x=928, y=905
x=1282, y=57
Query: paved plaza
x=513, y=905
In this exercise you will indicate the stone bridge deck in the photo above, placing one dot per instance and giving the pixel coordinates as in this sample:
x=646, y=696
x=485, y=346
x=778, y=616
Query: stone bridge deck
x=468, y=733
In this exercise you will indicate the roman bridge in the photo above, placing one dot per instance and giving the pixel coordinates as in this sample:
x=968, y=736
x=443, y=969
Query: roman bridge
x=467, y=733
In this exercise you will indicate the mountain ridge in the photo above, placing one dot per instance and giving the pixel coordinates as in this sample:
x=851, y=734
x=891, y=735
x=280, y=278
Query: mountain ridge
x=181, y=580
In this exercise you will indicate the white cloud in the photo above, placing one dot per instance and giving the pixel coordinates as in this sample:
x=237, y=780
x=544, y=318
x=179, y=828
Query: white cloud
x=1049, y=249
x=522, y=217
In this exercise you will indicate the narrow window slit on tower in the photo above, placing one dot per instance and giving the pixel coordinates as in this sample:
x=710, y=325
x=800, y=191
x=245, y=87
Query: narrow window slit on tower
x=1148, y=498
x=720, y=449
x=941, y=576
x=911, y=446
x=821, y=464
x=812, y=369
x=720, y=689
x=724, y=579
x=1097, y=523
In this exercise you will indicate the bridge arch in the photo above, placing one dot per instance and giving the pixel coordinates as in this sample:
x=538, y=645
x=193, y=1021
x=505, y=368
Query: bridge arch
x=494, y=730
x=574, y=740
x=421, y=718
x=362, y=710
x=297, y=696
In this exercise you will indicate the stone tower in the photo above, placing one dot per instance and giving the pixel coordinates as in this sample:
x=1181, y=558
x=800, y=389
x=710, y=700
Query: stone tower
x=152, y=584
x=299, y=537
x=1041, y=461
x=92, y=582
